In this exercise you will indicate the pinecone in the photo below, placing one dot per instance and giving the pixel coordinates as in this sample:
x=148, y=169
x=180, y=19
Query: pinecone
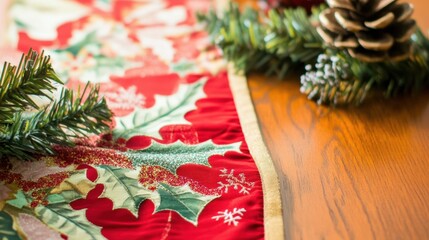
x=371, y=30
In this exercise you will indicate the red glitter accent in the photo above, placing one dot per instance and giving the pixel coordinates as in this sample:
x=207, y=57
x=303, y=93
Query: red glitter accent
x=107, y=141
x=89, y=155
x=150, y=176
x=48, y=181
x=34, y=204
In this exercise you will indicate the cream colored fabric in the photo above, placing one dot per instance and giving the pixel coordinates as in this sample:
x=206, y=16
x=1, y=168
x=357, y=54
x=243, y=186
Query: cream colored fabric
x=273, y=218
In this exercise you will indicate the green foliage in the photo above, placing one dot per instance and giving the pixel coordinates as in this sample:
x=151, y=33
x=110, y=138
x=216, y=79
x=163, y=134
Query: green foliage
x=172, y=156
x=122, y=187
x=60, y=216
x=274, y=44
x=285, y=40
x=331, y=80
x=183, y=200
x=168, y=110
x=7, y=231
x=353, y=80
x=33, y=76
x=26, y=128
x=406, y=76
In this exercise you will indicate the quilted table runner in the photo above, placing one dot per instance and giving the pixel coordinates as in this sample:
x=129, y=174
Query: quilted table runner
x=185, y=158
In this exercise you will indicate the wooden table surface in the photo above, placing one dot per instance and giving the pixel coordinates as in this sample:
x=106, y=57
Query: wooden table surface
x=355, y=173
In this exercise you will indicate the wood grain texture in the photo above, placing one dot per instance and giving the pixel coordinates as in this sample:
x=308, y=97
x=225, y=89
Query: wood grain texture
x=355, y=173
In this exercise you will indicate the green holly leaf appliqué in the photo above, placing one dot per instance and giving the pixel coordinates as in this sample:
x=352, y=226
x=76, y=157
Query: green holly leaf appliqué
x=7, y=232
x=21, y=200
x=167, y=110
x=121, y=185
x=183, y=200
x=59, y=215
x=172, y=156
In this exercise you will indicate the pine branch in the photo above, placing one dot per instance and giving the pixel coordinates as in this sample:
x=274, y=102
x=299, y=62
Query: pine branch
x=283, y=41
x=408, y=76
x=18, y=85
x=332, y=80
x=276, y=43
x=66, y=119
x=337, y=78
x=26, y=134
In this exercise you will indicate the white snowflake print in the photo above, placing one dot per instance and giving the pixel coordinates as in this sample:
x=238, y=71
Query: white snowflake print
x=230, y=217
x=234, y=182
x=125, y=98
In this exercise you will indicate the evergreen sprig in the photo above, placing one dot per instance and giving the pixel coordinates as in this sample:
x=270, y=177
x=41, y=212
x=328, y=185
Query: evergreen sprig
x=331, y=80
x=275, y=44
x=27, y=129
x=32, y=77
x=283, y=40
x=338, y=78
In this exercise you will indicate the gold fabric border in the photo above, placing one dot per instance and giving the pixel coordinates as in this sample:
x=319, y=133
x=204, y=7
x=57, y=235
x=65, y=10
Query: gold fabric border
x=273, y=217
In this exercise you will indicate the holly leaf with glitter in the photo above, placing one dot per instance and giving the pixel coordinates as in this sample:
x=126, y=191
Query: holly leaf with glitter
x=6, y=227
x=168, y=110
x=121, y=185
x=183, y=200
x=172, y=156
x=59, y=215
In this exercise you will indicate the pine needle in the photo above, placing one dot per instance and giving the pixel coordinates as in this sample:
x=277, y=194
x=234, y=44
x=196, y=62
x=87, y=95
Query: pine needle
x=286, y=40
x=274, y=44
x=24, y=134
